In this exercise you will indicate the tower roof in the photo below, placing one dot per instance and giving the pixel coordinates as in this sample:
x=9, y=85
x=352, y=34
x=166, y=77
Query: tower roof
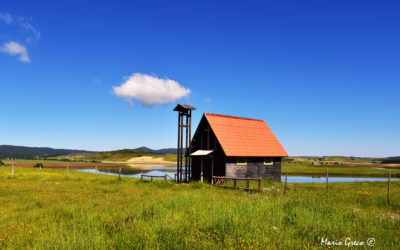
x=183, y=107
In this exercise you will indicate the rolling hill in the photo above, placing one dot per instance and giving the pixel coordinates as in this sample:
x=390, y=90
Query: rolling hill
x=7, y=151
x=117, y=155
x=126, y=154
x=163, y=151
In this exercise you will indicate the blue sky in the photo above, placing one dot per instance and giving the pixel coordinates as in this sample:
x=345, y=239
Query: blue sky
x=324, y=74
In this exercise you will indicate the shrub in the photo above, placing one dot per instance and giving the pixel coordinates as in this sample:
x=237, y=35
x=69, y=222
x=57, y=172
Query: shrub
x=38, y=165
x=1, y=163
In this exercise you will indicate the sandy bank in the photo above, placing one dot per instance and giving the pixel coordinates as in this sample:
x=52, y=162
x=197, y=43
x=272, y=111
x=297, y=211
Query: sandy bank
x=145, y=162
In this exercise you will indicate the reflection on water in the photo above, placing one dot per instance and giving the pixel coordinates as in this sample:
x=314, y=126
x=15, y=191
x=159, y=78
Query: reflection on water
x=160, y=171
x=132, y=172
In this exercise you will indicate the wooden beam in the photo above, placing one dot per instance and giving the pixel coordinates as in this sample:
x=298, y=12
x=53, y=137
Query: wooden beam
x=190, y=144
x=327, y=185
x=178, y=149
x=388, y=189
x=212, y=170
x=181, y=167
x=201, y=166
x=208, y=137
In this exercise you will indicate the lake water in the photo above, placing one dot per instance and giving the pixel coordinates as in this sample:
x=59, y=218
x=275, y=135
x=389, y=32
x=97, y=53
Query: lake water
x=133, y=173
x=170, y=171
x=310, y=179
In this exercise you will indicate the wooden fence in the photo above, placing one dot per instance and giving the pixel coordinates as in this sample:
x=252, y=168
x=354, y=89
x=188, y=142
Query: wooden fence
x=219, y=181
x=165, y=177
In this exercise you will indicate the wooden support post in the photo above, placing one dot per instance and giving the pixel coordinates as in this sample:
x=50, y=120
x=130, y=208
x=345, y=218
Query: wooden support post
x=141, y=177
x=12, y=171
x=201, y=168
x=388, y=190
x=259, y=184
x=40, y=168
x=190, y=143
x=182, y=152
x=151, y=177
x=212, y=170
x=186, y=146
x=119, y=173
x=67, y=170
x=284, y=191
x=248, y=184
x=327, y=185
x=234, y=183
x=165, y=177
x=178, y=164
x=97, y=171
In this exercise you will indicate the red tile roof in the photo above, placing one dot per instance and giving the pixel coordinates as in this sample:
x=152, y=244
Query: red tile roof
x=244, y=136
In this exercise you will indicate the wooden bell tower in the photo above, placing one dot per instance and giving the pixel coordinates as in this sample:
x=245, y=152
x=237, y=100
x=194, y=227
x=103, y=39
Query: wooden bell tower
x=184, y=141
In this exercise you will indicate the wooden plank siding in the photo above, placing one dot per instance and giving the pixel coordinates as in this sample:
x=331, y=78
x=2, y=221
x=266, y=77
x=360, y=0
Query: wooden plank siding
x=254, y=168
x=204, y=138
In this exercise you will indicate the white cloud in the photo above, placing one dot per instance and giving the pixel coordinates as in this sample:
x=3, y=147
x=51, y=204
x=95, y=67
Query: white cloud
x=17, y=35
x=25, y=23
x=150, y=90
x=14, y=48
x=5, y=17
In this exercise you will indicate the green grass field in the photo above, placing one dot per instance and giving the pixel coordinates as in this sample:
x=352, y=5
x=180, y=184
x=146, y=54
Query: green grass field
x=82, y=212
x=337, y=170
x=335, y=158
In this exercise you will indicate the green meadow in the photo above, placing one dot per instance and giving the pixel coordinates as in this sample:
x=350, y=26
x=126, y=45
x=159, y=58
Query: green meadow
x=87, y=212
x=338, y=170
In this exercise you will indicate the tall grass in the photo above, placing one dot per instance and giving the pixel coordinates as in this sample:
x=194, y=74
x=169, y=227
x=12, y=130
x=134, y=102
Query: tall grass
x=82, y=212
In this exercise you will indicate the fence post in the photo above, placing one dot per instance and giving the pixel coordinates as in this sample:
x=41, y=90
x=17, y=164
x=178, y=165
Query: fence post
x=141, y=176
x=248, y=184
x=234, y=183
x=40, y=167
x=12, y=171
x=67, y=171
x=284, y=191
x=165, y=177
x=259, y=184
x=388, y=191
x=327, y=185
x=119, y=173
x=97, y=171
x=151, y=177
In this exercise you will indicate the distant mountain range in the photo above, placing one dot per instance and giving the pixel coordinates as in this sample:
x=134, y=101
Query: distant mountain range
x=395, y=159
x=163, y=151
x=28, y=152
x=7, y=151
